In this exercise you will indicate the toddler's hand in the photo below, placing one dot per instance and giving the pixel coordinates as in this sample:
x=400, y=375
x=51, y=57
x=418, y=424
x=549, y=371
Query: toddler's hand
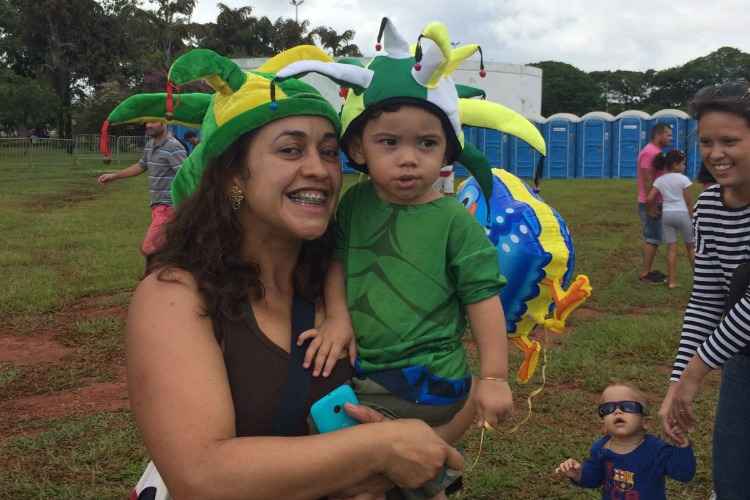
x=328, y=342
x=493, y=401
x=570, y=468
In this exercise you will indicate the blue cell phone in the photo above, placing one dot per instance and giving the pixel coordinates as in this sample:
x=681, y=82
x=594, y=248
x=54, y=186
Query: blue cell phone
x=328, y=412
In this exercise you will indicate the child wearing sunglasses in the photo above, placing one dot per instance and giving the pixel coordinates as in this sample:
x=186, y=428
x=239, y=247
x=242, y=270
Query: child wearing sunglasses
x=627, y=463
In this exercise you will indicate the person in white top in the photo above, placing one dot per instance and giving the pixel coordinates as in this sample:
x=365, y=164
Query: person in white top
x=676, y=200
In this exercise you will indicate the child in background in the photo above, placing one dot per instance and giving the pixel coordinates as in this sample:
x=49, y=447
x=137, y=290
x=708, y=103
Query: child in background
x=627, y=463
x=676, y=205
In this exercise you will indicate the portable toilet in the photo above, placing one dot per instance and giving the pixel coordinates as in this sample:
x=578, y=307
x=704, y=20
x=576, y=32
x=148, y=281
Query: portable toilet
x=522, y=158
x=560, y=135
x=629, y=136
x=470, y=137
x=593, y=150
x=496, y=147
x=693, y=149
x=676, y=119
x=492, y=143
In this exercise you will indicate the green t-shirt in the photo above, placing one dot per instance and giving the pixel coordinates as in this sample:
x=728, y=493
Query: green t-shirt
x=410, y=270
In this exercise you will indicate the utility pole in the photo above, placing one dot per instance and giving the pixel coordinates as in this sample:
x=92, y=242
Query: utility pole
x=296, y=4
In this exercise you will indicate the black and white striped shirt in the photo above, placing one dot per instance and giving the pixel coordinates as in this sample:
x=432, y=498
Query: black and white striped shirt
x=722, y=242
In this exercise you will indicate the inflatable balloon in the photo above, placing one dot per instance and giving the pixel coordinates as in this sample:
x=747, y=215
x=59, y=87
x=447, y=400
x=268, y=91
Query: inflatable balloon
x=536, y=256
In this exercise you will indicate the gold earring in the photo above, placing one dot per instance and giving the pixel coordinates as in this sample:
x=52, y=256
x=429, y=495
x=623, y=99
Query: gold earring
x=236, y=196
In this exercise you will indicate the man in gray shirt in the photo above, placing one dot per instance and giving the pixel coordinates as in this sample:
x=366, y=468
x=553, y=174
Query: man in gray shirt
x=162, y=158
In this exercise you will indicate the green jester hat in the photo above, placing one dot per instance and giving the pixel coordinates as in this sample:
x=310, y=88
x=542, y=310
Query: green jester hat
x=187, y=109
x=244, y=101
x=422, y=76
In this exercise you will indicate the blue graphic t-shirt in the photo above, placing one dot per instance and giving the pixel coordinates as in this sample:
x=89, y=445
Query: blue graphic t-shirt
x=638, y=475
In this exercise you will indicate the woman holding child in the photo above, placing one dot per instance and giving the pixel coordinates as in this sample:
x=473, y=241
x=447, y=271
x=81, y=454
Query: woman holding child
x=716, y=327
x=212, y=330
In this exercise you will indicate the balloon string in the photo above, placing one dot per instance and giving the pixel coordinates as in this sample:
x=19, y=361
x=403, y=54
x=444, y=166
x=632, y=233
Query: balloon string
x=529, y=399
x=479, y=452
x=537, y=391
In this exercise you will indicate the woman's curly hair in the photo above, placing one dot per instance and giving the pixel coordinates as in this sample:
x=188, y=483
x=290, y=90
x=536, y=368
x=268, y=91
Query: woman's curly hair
x=205, y=239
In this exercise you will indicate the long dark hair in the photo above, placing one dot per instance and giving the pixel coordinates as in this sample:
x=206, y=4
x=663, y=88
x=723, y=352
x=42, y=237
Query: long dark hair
x=205, y=238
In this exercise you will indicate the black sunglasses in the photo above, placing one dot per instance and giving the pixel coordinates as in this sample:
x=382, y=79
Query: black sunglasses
x=626, y=406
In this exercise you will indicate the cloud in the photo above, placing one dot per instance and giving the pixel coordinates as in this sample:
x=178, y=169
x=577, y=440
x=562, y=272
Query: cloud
x=589, y=34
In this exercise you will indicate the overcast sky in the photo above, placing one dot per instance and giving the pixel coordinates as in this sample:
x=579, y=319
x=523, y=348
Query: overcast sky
x=590, y=34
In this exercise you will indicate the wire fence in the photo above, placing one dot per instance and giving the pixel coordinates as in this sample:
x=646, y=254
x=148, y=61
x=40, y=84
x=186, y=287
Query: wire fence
x=35, y=151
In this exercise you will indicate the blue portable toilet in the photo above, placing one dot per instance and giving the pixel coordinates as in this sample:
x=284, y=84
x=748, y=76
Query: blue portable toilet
x=495, y=147
x=693, y=149
x=560, y=135
x=678, y=120
x=593, y=148
x=492, y=143
x=522, y=158
x=629, y=136
x=469, y=137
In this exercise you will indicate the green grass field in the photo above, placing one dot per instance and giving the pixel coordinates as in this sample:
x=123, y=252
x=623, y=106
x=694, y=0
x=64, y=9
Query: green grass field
x=69, y=260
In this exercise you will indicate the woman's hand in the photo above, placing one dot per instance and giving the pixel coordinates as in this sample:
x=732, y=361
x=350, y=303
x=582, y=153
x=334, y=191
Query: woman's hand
x=671, y=429
x=677, y=409
x=681, y=411
x=416, y=453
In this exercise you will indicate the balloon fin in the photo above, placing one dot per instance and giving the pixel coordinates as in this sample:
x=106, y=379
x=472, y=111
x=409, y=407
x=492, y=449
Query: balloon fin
x=531, y=350
x=566, y=301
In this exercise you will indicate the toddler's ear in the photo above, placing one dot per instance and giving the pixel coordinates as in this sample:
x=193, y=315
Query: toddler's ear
x=355, y=151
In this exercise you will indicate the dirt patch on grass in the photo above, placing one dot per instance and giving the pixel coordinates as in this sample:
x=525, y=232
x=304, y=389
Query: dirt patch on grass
x=31, y=350
x=62, y=369
x=108, y=396
x=44, y=203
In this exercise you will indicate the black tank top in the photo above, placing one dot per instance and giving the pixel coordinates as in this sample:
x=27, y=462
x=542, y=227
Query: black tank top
x=257, y=370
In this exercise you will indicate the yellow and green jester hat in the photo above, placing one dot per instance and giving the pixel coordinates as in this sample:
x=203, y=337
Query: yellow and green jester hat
x=187, y=109
x=422, y=76
x=244, y=101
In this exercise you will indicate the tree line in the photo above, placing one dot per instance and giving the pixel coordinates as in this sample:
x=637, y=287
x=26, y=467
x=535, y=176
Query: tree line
x=64, y=64
x=566, y=88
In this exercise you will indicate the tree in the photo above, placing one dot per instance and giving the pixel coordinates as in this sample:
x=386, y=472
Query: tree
x=566, y=88
x=171, y=19
x=237, y=33
x=288, y=33
x=27, y=103
x=69, y=44
x=338, y=45
x=674, y=87
x=90, y=114
x=621, y=89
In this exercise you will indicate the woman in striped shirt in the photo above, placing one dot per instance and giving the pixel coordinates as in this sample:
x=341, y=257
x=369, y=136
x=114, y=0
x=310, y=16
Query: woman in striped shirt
x=716, y=325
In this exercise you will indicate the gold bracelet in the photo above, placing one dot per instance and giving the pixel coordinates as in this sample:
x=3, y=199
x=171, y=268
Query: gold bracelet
x=494, y=378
